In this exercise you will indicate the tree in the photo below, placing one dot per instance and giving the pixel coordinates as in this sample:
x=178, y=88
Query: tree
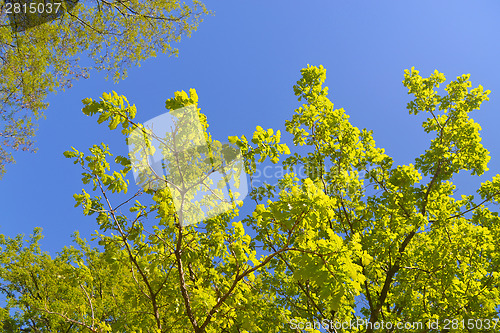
x=42, y=57
x=358, y=245
x=425, y=255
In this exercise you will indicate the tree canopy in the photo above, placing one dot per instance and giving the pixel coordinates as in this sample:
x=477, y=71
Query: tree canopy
x=44, y=57
x=358, y=245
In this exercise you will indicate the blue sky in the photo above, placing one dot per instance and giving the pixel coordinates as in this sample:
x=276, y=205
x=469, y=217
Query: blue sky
x=243, y=63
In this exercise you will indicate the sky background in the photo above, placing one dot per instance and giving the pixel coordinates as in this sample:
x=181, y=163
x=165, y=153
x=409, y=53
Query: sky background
x=243, y=62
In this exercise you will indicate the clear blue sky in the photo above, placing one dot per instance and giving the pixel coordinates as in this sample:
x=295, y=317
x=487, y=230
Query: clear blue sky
x=243, y=63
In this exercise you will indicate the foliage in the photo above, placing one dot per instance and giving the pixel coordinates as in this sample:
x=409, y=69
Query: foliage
x=43, y=58
x=357, y=239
